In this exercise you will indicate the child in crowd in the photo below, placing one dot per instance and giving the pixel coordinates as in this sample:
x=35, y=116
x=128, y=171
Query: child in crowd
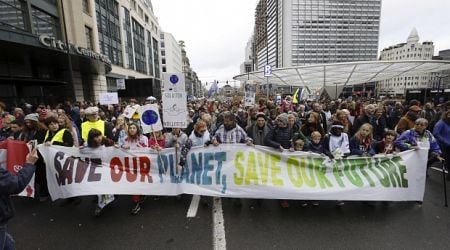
x=361, y=142
x=386, y=146
x=315, y=144
x=299, y=145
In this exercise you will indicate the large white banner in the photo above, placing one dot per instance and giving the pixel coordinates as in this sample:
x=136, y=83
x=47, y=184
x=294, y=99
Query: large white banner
x=235, y=170
x=174, y=109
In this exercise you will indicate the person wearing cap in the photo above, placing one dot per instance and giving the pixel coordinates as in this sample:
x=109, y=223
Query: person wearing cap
x=150, y=100
x=259, y=130
x=34, y=129
x=408, y=120
x=93, y=121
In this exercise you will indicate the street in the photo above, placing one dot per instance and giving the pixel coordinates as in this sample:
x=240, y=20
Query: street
x=162, y=224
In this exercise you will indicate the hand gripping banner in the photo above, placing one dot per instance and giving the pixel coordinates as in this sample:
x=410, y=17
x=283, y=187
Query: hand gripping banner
x=235, y=170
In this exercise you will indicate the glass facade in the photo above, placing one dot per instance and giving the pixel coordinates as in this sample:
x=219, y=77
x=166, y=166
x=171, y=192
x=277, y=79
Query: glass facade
x=109, y=30
x=156, y=57
x=139, y=47
x=129, y=59
x=150, y=53
x=13, y=14
x=328, y=31
x=45, y=24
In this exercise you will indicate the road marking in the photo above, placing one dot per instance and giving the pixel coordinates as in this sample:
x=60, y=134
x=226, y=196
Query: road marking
x=192, y=211
x=438, y=169
x=219, y=242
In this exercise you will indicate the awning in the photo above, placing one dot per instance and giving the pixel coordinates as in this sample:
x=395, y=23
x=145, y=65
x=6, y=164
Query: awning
x=342, y=74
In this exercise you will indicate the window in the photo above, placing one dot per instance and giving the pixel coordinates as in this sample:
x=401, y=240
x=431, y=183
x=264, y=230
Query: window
x=129, y=58
x=156, y=57
x=45, y=24
x=109, y=30
x=88, y=32
x=133, y=4
x=139, y=47
x=86, y=6
x=13, y=14
x=146, y=18
x=150, y=53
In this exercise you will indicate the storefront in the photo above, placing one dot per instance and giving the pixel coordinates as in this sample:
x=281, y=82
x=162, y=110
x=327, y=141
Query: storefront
x=44, y=69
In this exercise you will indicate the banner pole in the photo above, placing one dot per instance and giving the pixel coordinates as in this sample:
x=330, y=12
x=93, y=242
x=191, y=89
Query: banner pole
x=445, y=184
x=159, y=154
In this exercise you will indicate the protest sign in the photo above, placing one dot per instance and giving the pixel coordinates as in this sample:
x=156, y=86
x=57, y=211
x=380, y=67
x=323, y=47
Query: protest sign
x=150, y=120
x=174, y=82
x=235, y=170
x=108, y=98
x=174, y=109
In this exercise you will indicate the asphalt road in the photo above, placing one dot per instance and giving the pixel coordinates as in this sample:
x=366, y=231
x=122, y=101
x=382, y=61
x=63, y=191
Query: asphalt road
x=162, y=224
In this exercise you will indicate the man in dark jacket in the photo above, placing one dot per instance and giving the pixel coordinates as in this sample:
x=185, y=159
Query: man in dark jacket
x=13, y=184
x=280, y=136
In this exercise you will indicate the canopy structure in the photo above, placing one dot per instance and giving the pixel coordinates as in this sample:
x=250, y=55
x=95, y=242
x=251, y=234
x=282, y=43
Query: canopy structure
x=342, y=74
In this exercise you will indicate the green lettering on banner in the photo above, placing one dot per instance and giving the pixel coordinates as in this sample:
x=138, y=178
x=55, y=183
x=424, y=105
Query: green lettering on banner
x=274, y=160
x=350, y=172
x=263, y=167
x=320, y=171
x=337, y=172
x=386, y=166
x=251, y=174
x=402, y=170
x=310, y=181
x=295, y=178
x=363, y=167
x=239, y=177
x=374, y=167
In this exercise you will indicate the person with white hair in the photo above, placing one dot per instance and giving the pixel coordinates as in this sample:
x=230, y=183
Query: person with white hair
x=93, y=121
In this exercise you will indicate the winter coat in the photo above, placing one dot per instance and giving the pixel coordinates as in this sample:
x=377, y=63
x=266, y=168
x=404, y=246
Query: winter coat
x=278, y=136
x=12, y=184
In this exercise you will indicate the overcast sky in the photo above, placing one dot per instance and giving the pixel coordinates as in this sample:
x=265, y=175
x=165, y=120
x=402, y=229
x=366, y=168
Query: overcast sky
x=216, y=31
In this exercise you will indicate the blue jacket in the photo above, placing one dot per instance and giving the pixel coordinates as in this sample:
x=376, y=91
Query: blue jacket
x=442, y=131
x=357, y=149
x=409, y=138
x=12, y=184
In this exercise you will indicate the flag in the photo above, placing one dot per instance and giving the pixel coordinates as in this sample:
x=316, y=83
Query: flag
x=298, y=96
x=12, y=157
x=213, y=89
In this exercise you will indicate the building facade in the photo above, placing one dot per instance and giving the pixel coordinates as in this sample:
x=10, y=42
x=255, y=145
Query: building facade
x=411, y=50
x=170, y=54
x=302, y=32
x=45, y=60
x=291, y=33
x=194, y=86
x=57, y=50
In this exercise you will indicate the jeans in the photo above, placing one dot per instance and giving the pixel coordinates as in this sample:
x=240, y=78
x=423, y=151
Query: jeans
x=6, y=240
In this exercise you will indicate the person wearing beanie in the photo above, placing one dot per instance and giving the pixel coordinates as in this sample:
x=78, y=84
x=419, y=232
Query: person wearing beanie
x=259, y=130
x=33, y=129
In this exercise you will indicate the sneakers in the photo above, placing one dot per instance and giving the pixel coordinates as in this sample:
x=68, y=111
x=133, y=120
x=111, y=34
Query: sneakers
x=136, y=208
x=315, y=203
x=303, y=204
x=340, y=203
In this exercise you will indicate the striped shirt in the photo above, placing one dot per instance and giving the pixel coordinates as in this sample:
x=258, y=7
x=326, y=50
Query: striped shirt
x=235, y=135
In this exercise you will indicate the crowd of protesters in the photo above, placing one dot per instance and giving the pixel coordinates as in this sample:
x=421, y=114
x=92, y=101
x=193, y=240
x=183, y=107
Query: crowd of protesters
x=334, y=128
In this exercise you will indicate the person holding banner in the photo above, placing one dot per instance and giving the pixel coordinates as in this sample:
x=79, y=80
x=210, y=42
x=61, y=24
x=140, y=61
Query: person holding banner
x=134, y=140
x=95, y=141
x=420, y=137
x=230, y=132
x=56, y=135
x=361, y=143
x=13, y=184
